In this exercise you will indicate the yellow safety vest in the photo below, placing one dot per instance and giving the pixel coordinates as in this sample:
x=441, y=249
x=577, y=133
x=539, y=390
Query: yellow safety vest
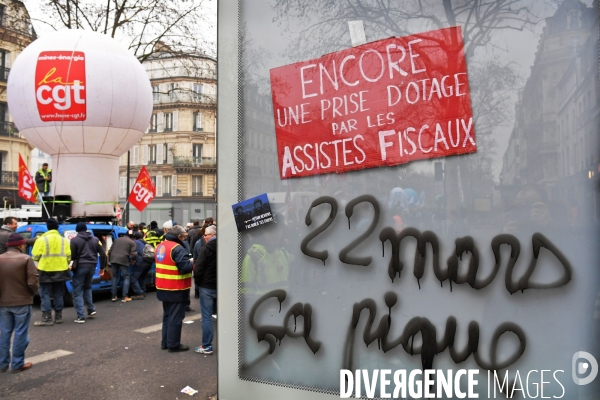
x=45, y=174
x=152, y=238
x=270, y=272
x=52, y=251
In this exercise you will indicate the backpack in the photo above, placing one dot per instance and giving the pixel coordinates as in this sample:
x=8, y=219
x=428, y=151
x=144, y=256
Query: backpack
x=148, y=253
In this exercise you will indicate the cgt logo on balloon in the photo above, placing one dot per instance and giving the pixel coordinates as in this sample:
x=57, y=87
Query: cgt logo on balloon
x=60, y=86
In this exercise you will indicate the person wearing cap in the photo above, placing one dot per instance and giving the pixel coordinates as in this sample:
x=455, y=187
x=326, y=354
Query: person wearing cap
x=85, y=250
x=121, y=254
x=18, y=285
x=53, y=254
x=173, y=283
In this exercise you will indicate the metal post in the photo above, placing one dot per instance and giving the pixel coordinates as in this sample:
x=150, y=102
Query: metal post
x=126, y=214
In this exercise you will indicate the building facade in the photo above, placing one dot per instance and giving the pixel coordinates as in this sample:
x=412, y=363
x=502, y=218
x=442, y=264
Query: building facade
x=179, y=147
x=553, y=146
x=16, y=33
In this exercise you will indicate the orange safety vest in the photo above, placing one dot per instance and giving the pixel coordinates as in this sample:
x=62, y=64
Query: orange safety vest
x=167, y=274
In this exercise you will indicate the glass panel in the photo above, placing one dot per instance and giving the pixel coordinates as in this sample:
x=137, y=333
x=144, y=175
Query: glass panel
x=387, y=267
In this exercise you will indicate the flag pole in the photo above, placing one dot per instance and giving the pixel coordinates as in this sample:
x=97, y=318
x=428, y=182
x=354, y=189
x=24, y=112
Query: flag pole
x=43, y=205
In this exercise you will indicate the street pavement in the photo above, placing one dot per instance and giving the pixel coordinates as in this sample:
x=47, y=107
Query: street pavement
x=114, y=355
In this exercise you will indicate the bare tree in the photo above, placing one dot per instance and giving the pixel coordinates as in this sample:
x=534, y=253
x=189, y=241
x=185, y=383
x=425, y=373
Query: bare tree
x=147, y=26
x=383, y=18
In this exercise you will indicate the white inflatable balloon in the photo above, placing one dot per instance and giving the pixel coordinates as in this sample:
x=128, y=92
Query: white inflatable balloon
x=85, y=99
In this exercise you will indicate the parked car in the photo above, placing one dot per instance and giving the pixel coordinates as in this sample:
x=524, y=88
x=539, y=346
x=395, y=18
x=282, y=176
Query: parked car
x=105, y=232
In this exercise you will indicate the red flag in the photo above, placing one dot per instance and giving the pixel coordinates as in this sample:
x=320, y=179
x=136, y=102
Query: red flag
x=27, y=188
x=143, y=191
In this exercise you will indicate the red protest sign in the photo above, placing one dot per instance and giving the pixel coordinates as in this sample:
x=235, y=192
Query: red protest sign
x=27, y=188
x=383, y=103
x=143, y=191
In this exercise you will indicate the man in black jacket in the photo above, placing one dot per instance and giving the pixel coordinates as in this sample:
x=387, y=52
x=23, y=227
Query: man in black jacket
x=43, y=177
x=85, y=250
x=194, y=234
x=141, y=269
x=173, y=283
x=205, y=276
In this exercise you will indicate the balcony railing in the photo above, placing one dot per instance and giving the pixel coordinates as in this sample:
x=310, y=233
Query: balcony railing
x=195, y=162
x=184, y=96
x=197, y=194
x=9, y=129
x=9, y=178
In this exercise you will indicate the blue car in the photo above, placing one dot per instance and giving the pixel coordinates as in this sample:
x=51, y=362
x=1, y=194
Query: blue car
x=105, y=232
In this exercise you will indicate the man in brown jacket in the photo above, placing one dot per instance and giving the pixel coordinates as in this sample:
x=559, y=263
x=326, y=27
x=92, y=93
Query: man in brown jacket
x=122, y=253
x=18, y=285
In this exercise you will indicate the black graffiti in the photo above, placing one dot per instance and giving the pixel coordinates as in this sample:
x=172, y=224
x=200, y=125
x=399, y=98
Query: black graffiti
x=272, y=334
x=430, y=347
x=321, y=255
x=538, y=241
x=462, y=245
x=354, y=260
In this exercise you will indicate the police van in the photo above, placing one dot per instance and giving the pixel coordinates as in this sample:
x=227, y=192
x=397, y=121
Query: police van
x=105, y=232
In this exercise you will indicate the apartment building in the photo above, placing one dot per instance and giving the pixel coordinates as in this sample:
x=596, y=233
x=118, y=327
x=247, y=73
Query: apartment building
x=16, y=33
x=179, y=147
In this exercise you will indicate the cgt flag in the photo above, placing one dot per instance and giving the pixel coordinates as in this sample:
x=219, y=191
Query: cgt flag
x=27, y=188
x=143, y=191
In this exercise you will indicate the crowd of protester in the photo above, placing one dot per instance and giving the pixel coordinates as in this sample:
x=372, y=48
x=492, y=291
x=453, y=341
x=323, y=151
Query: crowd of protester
x=181, y=254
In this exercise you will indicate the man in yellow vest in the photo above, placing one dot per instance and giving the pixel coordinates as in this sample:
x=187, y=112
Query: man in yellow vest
x=267, y=263
x=43, y=177
x=173, y=283
x=53, y=254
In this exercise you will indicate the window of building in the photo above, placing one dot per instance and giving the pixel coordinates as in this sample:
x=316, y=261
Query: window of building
x=41, y=153
x=4, y=64
x=152, y=150
x=172, y=91
x=169, y=122
x=197, y=185
x=573, y=19
x=197, y=153
x=155, y=92
x=4, y=115
x=122, y=187
x=135, y=155
x=161, y=153
x=197, y=91
x=153, y=123
x=198, y=122
x=167, y=183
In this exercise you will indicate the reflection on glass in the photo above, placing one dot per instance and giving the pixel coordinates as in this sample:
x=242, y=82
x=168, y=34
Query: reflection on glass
x=533, y=78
